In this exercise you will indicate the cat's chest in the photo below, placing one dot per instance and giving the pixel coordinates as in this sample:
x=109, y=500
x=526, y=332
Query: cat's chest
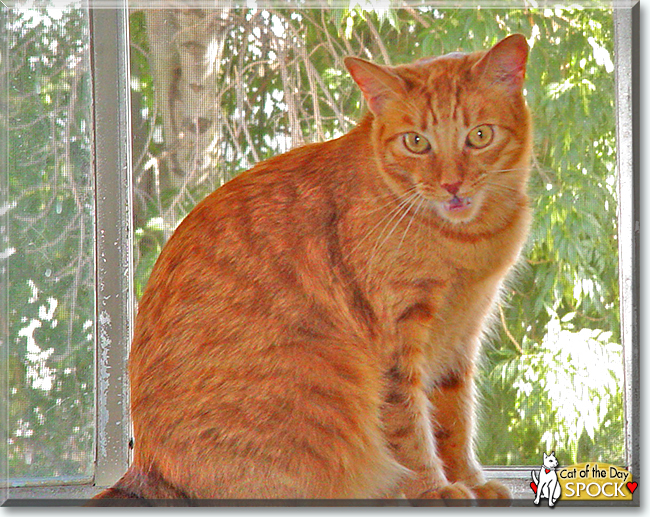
x=441, y=312
x=437, y=296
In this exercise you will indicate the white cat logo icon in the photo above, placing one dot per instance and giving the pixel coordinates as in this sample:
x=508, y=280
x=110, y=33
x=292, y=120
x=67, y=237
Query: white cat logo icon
x=547, y=485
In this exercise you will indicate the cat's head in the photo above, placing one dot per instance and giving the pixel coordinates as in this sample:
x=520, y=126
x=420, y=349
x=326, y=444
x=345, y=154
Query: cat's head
x=550, y=461
x=455, y=128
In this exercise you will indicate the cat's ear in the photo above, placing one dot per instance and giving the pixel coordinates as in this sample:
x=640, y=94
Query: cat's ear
x=505, y=63
x=545, y=456
x=378, y=83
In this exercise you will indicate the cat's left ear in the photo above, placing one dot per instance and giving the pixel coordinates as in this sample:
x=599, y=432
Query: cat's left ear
x=378, y=83
x=505, y=63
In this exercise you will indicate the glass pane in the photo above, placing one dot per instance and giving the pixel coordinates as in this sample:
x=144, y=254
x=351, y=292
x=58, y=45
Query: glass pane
x=216, y=91
x=47, y=253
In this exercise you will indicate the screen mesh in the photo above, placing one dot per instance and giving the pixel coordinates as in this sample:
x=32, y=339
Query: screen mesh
x=47, y=252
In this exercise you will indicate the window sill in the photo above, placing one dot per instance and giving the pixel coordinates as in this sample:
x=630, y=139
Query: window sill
x=516, y=479
x=76, y=495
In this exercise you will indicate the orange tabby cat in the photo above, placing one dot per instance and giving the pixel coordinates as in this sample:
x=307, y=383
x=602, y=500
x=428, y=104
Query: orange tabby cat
x=311, y=328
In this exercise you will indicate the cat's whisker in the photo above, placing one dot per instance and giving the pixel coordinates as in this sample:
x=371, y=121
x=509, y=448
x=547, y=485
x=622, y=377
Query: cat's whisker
x=400, y=200
x=373, y=196
x=404, y=207
x=422, y=200
x=496, y=187
x=390, y=197
x=404, y=210
x=403, y=200
x=415, y=214
x=509, y=170
x=489, y=185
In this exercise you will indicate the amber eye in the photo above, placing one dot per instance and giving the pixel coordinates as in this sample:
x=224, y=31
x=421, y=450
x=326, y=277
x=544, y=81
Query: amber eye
x=416, y=143
x=480, y=136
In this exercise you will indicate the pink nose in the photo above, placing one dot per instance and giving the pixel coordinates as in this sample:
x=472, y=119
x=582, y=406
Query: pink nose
x=452, y=188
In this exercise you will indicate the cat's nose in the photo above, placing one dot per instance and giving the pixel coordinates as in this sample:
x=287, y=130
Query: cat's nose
x=452, y=188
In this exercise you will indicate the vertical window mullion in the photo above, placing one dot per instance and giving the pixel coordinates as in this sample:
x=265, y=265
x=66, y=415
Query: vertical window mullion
x=109, y=33
x=626, y=34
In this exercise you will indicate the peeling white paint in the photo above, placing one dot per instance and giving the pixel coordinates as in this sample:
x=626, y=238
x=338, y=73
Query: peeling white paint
x=103, y=379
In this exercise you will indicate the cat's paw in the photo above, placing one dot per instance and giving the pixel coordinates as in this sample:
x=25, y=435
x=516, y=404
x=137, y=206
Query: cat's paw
x=455, y=494
x=492, y=493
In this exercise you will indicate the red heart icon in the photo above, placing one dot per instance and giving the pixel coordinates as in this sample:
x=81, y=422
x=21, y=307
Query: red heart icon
x=547, y=470
x=534, y=486
x=632, y=487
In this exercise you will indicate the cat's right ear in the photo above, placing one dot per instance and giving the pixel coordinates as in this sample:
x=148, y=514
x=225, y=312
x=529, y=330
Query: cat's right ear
x=378, y=83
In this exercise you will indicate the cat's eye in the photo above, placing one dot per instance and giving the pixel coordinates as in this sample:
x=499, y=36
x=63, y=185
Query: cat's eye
x=416, y=143
x=480, y=136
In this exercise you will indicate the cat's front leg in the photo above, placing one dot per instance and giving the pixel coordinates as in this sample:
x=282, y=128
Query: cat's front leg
x=452, y=419
x=409, y=434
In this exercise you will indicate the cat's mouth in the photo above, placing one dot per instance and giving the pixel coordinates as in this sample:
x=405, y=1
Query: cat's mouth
x=455, y=209
x=458, y=204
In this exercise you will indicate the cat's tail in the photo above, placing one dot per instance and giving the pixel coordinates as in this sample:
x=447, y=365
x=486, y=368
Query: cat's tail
x=137, y=488
x=532, y=473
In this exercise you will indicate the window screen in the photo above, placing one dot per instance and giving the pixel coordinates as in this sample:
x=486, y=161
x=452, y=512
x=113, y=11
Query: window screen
x=46, y=253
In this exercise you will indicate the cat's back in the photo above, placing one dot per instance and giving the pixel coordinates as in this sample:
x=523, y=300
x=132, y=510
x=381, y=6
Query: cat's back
x=293, y=190
x=259, y=213
x=243, y=255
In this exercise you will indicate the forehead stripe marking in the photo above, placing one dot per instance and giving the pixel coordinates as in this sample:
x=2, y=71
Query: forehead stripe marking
x=408, y=120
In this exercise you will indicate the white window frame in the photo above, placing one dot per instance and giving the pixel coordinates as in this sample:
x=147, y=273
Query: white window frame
x=114, y=244
x=627, y=34
x=113, y=238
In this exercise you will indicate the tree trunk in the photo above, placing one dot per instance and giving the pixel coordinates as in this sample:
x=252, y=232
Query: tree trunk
x=186, y=49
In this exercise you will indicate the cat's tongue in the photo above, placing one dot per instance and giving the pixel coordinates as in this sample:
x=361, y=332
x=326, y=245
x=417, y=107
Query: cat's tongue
x=458, y=203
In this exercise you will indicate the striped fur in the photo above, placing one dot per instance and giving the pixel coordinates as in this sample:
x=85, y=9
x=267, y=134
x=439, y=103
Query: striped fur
x=311, y=328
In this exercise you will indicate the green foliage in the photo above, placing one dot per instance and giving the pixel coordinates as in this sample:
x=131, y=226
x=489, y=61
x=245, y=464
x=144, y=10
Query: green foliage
x=48, y=251
x=568, y=388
